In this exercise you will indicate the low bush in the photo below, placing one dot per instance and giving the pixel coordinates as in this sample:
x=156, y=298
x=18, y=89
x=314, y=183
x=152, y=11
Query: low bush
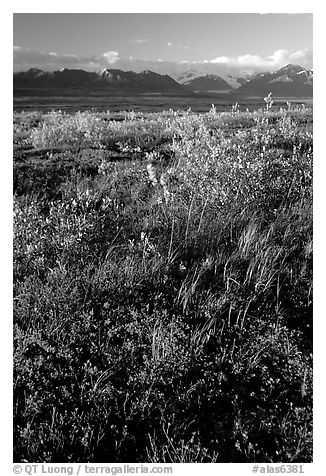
x=163, y=302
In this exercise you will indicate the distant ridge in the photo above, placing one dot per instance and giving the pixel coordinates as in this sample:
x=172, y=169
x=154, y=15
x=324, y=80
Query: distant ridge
x=208, y=82
x=110, y=79
x=187, y=76
x=290, y=80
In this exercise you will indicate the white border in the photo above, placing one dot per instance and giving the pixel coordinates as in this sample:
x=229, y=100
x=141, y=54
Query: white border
x=276, y=6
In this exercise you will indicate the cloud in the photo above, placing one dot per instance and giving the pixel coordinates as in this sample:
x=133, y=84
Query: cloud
x=302, y=57
x=175, y=45
x=25, y=58
x=111, y=57
x=275, y=61
x=139, y=41
x=221, y=60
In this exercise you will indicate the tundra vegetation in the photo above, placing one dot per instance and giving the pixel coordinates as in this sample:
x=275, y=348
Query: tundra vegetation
x=163, y=286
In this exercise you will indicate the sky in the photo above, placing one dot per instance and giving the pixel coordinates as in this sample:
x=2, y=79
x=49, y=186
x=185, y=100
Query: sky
x=163, y=42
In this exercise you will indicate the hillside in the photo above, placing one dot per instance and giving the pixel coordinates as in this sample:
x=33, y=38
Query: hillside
x=208, y=82
x=291, y=80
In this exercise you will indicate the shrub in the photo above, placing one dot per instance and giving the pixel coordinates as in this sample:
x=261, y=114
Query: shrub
x=163, y=304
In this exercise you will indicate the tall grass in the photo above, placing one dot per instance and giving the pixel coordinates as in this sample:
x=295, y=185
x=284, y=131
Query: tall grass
x=165, y=320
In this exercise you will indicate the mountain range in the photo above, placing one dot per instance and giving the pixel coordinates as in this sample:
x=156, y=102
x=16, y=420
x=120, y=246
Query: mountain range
x=107, y=79
x=193, y=77
x=290, y=81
